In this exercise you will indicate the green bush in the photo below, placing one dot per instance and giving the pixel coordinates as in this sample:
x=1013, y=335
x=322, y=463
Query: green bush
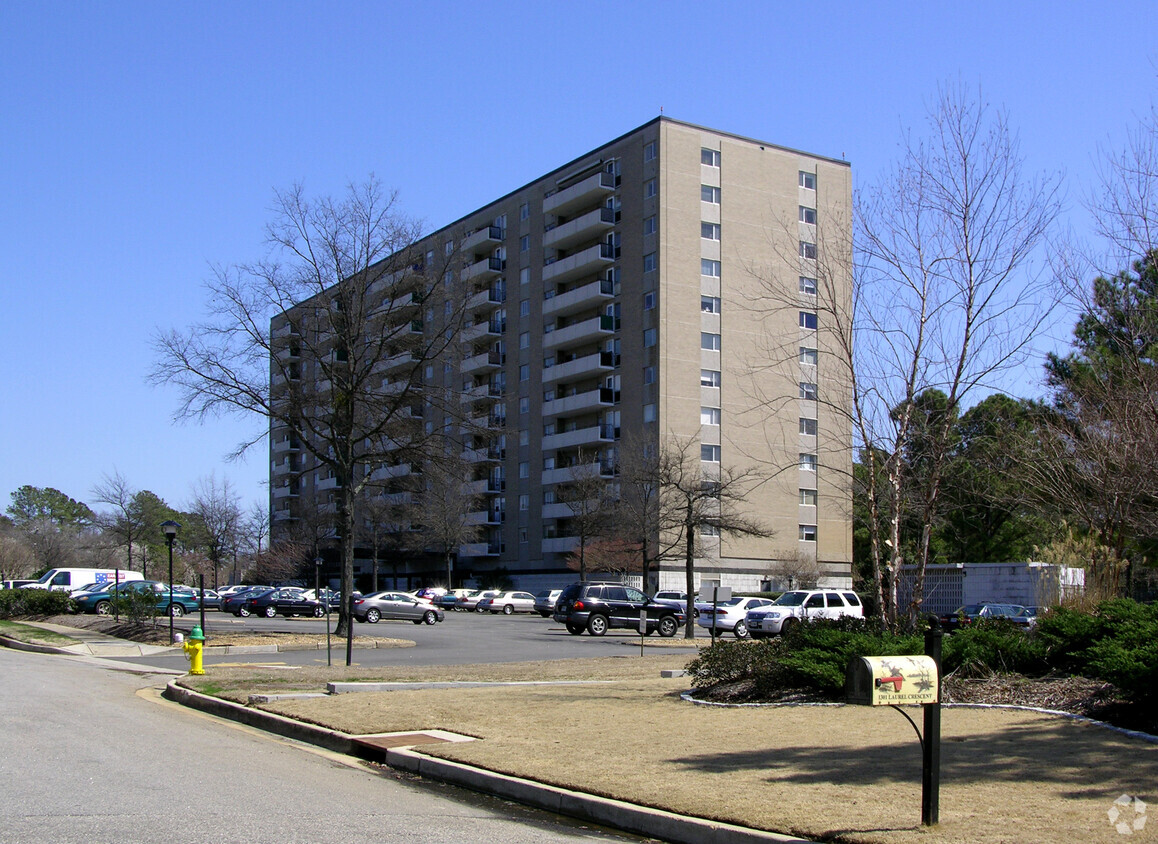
x=19, y=603
x=818, y=653
x=135, y=605
x=730, y=662
x=991, y=645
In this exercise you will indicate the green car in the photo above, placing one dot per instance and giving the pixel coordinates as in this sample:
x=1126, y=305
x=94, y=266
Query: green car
x=101, y=602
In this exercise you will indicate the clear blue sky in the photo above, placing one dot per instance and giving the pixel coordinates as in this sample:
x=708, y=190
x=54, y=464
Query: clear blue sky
x=142, y=140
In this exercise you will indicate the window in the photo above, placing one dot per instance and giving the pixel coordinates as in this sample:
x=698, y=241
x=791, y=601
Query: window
x=548, y=429
x=649, y=151
x=448, y=247
x=808, y=215
x=710, y=194
x=807, y=391
x=808, y=462
x=710, y=157
x=709, y=416
x=524, y=307
x=807, y=180
x=525, y=340
x=649, y=338
x=807, y=286
x=649, y=189
x=649, y=262
x=525, y=211
x=524, y=405
x=524, y=502
x=808, y=320
x=649, y=413
x=524, y=437
x=709, y=529
x=808, y=497
x=649, y=225
x=807, y=426
x=549, y=494
x=649, y=300
x=808, y=533
x=709, y=268
x=525, y=275
x=524, y=372
x=524, y=469
x=649, y=375
x=710, y=231
x=525, y=243
x=710, y=304
x=709, y=341
x=709, y=378
x=710, y=453
x=808, y=357
x=807, y=250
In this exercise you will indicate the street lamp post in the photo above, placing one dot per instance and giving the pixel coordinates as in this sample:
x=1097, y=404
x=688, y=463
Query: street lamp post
x=170, y=528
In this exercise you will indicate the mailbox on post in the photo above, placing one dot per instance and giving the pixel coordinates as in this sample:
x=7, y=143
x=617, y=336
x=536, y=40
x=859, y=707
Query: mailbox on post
x=891, y=680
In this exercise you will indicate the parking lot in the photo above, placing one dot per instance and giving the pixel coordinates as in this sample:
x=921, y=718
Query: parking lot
x=463, y=638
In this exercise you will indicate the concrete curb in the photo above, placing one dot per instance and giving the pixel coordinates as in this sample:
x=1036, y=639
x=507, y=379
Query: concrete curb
x=654, y=823
x=31, y=647
x=640, y=820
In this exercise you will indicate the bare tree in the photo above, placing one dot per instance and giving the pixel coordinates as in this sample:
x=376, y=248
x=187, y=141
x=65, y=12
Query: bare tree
x=591, y=502
x=616, y=556
x=443, y=505
x=945, y=301
x=125, y=522
x=697, y=498
x=306, y=339
x=793, y=570
x=218, y=509
x=1124, y=203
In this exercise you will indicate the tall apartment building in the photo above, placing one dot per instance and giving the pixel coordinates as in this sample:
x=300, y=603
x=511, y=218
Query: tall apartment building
x=672, y=285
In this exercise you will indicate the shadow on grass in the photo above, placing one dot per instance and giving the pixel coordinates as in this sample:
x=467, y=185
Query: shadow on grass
x=1063, y=753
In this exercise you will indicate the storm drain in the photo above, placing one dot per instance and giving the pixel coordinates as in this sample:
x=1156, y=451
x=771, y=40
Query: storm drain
x=373, y=748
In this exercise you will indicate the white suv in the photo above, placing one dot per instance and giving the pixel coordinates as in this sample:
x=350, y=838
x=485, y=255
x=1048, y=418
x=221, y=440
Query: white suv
x=801, y=604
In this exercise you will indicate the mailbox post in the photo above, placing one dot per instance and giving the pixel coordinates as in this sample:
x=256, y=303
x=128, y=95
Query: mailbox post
x=931, y=746
x=895, y=680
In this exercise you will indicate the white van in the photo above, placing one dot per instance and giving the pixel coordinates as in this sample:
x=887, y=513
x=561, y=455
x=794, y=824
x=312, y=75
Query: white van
x=65, y=580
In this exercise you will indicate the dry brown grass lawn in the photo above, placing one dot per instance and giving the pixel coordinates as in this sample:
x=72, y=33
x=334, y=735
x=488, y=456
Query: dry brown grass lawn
x=836, y=772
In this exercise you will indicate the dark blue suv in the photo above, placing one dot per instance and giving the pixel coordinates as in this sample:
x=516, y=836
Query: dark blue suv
x=596, y=607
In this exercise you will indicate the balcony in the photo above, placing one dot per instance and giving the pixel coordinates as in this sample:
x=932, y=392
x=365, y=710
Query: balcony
x=488, y=361
x=587, y=226
x=587, y=261
x=483, y=392
x=567, y=474
x=484, y=240
x=592, y=435
x=592, y=364
x=560, y=545
x=280, y=492
x=485, y=269
x=407, y=358
x=595, y=328
x=485, y=517
x=477, y=487
x=588, y=400
x=480, y=549
x=289, y=444
x=479, y=330
x=579, y=298
x=486, y=300
x=589, y=191
x=327, y=484
x=558, y=510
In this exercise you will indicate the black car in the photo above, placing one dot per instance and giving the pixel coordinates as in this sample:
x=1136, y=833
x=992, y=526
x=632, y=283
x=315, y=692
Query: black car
x=238, y=602
x=288, y=602
x=595, y=607
x=972, y=613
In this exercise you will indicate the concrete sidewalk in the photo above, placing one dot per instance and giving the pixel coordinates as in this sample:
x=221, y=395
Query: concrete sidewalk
x=87, y=643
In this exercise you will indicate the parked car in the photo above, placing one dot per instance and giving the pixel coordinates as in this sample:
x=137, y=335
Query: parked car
x=237, y=603
x=970, y=613
x=287, y=602
x=449, y=601
x=175, y=604
x=226, y=591
x=395, y=605
x=470, y=602
x=801, y=604
x=596, y=607
x=545, y=601
x=430, y=593
x=679, y=600
x=210, y=599
x=729, y=615
x=508, y=603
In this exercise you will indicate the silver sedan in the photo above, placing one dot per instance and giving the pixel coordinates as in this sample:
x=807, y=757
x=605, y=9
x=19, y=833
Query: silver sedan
x=395, y=605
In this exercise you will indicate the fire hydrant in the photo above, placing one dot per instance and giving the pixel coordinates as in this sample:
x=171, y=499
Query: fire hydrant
x=193, y=650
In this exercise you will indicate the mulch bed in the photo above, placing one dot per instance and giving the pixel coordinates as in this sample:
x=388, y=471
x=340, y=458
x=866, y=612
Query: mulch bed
x=1075, y=695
